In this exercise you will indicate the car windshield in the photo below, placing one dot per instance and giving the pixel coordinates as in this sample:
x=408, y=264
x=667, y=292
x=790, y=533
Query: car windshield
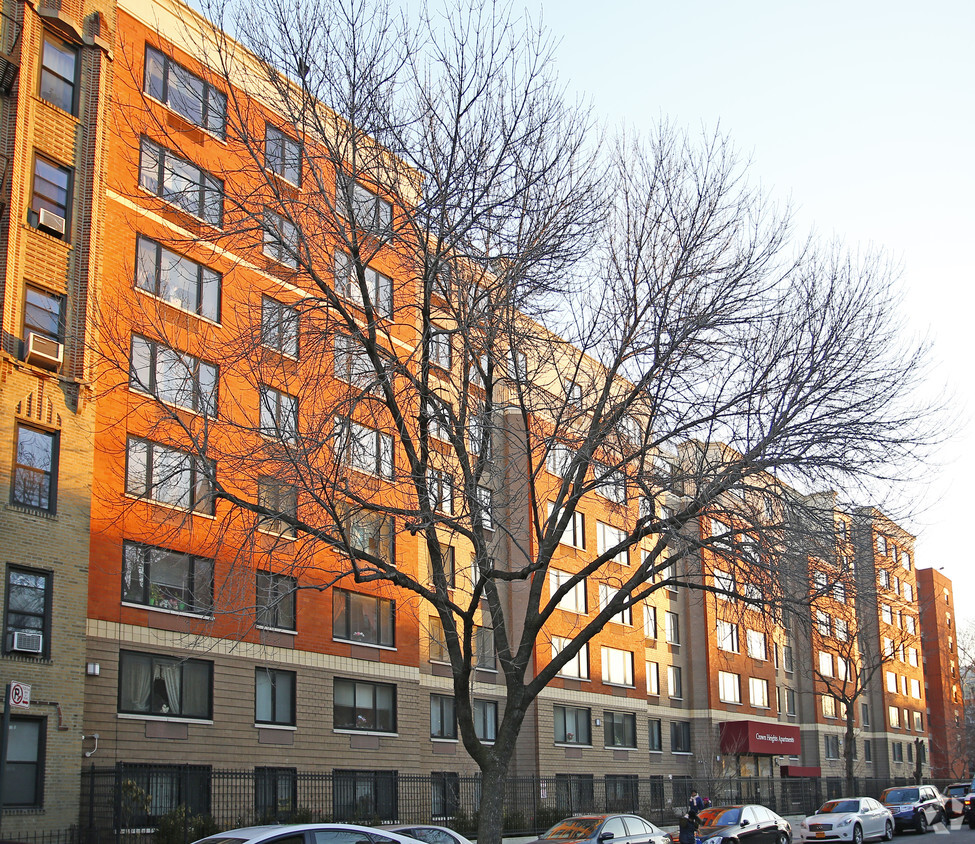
x=720, y=817
x=958, y=790
x=900, y=795
x=573, y=829
x=837, y=806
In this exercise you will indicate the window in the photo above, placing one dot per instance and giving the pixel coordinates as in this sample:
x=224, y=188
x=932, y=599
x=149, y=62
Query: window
x=620, y=729
x=839, y=593
x=575, y=599
x=573, y=393
x=841, y=629
x=274, y=696
x=725, y=584
x=756, y=645
x=483, y=497
x=906, y=561
x=43, y=314
x=575, y=531
x=282, y=155
x=361, y=207
x=915, y=688
x=485, y=713
x=279, y=414
x=371, y=533
x=363, y=619
x=59, y=73
x=166, y=789
x=675, y=681
x=150, y=684
x=606, y=594
x=918, y=722
x=832, y=747
x=275, y=793
x=649, y=621
x=894, y=716
x=897, y=751
x=653, y=678
x=444, y=802
x=378, y=286
x=729, y=687
x=787, y=659
x=728, y=636
x=891, y=681
x=178, y=182
x=578, y=666
x=819, y=581
x=51, y=191
x=790, y=701
x=617, y=667
x=276, y=600
x=574, y=793
x=440, y=349
x=166, y=580
x=27, y=612
x=360, y=705
x=24, y=783
x=443, y=722
x=168, y=476
x=185, y=93
x=881, y=544
x=364, y=449
x=479, y=433
x=610, y=484
x=608, y=537
x=829, y=706
x=886, y=614
x=279, y=327
x=281, y=499
x=758, y=692
x=440, y=487
x=173, y=377
x=912, y=657
x=483, y=648
x=680, y=736
x=825, y=664
x=177, y=280
x=36, y=469
x=910, y=625
x=672, y=628
x=572, y=725
x=656, y=740
x=365, y=794
x=824, y=624
x=842, y=668
x=883, y=578
x=867, y=750
x=280, y=239
x=559, y=458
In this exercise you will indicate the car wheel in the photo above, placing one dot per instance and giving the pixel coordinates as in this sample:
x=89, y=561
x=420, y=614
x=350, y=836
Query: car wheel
x=971, y=821
x=921, y=823
x=888, y=831
x=784, y=839
x=857, y=835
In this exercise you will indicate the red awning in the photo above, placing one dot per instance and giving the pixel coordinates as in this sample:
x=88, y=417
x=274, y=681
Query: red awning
x=800, y=771
x=759, y=738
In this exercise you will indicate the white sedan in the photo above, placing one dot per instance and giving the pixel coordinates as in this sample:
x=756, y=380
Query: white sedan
x=853, y=819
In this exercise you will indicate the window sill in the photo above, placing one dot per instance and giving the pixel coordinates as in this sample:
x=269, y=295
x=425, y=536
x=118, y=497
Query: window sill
x=444, y=740
x=163, y=505
x=681, y=753
x=572, y=744
x=176, y=307
x=277, y=535
x=618, y=747
x=286, y=727
x=347, y=732
x=173, y=719
x=286, y=630
x=570, y=677
x=182, y=613
x=280, y=352
x=31, y=511
x=365, y=644
x=656, y=752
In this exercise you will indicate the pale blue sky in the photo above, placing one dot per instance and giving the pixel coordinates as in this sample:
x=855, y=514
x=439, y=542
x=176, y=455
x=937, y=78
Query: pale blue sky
x=862, y=114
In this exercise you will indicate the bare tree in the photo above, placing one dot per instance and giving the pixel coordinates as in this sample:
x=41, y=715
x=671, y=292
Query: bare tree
x=495, y=322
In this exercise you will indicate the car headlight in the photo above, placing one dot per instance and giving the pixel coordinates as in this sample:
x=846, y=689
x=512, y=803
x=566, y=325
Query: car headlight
x=804, y=825
x=715, y=839
x=847, y=822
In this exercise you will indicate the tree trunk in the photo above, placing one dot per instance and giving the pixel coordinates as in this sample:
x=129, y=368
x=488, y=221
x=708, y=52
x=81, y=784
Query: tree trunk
x=848, y=747
x=490, y=824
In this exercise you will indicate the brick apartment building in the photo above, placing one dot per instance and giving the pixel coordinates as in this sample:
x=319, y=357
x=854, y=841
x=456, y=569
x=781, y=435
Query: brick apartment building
x=176, y=635
x=942, y=675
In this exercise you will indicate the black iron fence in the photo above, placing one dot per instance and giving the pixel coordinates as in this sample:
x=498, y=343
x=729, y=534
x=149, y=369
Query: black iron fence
x=177, y=804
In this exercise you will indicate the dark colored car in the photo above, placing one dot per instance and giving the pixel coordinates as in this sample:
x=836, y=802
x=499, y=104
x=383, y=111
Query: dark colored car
x=955, y=799
x=743, y=825
x=917, y=807
x=596, y=829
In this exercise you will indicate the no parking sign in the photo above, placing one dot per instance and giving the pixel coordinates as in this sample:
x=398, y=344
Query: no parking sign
x=20, y=695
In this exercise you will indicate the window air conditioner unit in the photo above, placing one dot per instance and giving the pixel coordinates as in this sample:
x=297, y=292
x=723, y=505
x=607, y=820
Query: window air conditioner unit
x=31, y=643
x=44, y=352
x=50, y=222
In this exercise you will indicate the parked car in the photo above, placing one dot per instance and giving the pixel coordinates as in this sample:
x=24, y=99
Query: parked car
x=596, y=829
x=916, y=807
x=429, y=834
x=743, y=825
x=969, y=801
x=307, y=833
x=855, y=819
